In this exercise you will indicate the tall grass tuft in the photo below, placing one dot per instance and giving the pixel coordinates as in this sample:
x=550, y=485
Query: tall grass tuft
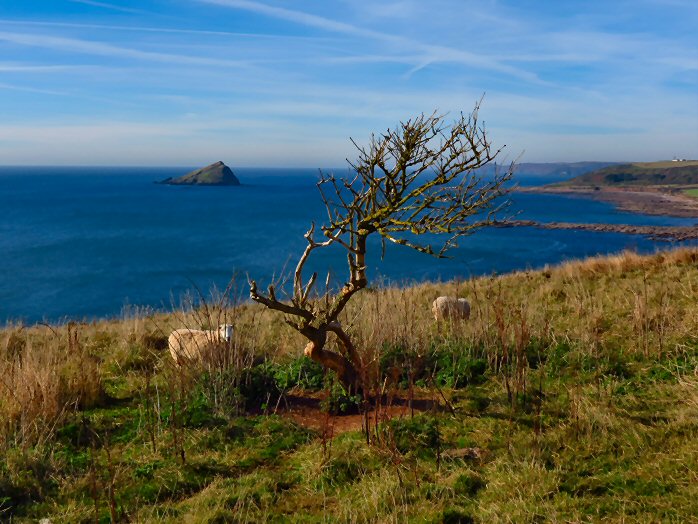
x=42, y=378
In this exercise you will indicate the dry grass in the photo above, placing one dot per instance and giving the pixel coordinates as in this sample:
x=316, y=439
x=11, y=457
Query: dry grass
x=44, y=373
x=592, y=358
x=666, y=164
x=642, y=304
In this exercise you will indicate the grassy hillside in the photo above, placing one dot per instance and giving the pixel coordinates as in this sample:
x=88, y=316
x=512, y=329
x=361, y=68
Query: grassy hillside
x=570, y=395
x=641, y=174
x=559, y=168
x=549, y=169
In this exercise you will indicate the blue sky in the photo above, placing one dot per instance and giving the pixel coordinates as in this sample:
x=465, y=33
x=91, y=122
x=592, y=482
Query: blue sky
x=286, y=83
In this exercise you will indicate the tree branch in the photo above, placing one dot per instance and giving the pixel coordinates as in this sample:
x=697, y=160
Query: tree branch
x=421, y=178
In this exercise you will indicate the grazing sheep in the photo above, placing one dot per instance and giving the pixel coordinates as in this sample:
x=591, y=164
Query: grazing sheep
x=450, y=308
x=189, y=345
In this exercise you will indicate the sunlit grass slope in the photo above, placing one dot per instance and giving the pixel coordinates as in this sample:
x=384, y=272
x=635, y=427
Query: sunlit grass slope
x=570, y=395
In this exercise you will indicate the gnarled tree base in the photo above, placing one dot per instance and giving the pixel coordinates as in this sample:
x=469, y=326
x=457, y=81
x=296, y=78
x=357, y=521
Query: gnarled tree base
x=346, y=372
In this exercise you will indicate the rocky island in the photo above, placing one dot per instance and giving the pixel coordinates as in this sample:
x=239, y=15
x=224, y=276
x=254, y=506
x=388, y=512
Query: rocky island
x=217, y=174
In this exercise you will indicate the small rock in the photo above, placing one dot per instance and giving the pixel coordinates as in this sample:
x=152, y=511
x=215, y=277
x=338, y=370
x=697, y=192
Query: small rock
x=465, y=453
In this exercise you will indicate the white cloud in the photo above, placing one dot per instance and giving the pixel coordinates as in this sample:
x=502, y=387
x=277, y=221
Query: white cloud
x=26, y=89
x=112, y=7
x=433, y=53
x=102, y=49
x=13, y=67
x=164, y=30
x=177, y=94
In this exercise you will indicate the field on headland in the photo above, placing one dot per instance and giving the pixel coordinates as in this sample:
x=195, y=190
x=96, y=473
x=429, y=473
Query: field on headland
x=653, y=188
x=667, y=173
x=570, y=395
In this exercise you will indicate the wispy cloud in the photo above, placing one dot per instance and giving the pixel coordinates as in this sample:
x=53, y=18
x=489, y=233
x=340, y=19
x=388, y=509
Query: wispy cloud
x=11, y=67
x=272, y=80
x=164, y=30
x=299, y=17
x=101, y=49
x=112, y=7
x=25, y=89
x=434, y=53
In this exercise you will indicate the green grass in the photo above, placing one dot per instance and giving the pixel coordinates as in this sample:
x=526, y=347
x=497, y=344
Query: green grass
x=581, y=406
x=640, y=174
x=666, y=164
x=691, y=192
x=605, y=448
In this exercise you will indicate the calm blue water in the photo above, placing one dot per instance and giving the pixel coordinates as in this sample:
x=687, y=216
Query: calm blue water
x=85, y=242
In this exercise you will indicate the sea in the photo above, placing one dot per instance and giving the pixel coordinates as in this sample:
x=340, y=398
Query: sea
x=102, y=242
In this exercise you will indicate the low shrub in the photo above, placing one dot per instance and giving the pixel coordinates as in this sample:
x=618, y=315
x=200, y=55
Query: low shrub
x=456, y=516
x=448, y=365
x=468, y=484
x=338, y=400
x=419, y=435
x=258, y=386
x=302, y=373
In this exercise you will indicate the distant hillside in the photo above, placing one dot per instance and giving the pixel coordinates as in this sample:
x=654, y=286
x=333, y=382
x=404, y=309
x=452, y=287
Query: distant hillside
x=572, y=169
x=552, y=170
x=217, y=174
x=641, y=174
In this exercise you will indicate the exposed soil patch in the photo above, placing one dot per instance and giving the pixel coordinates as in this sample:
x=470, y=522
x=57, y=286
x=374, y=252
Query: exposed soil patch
x=308, y=412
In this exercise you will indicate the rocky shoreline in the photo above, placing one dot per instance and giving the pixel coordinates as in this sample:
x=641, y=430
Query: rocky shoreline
x=668, y=233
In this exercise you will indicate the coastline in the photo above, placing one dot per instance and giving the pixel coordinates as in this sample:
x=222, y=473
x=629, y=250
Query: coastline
x=651, y=200
x=667, y=233
x=648, y=200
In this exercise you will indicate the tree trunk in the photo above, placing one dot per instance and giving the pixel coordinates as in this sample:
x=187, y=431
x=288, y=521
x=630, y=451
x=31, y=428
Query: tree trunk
x=346, y=372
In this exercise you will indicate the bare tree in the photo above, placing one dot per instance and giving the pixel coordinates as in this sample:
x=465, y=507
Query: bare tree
x=420, y=178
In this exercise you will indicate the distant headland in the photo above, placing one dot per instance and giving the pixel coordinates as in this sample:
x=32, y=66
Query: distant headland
x=668, y=188
x=654, y=188
x=217, y=174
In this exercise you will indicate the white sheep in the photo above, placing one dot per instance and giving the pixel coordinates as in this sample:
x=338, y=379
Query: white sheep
x=450, y=308
x=189, y=345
